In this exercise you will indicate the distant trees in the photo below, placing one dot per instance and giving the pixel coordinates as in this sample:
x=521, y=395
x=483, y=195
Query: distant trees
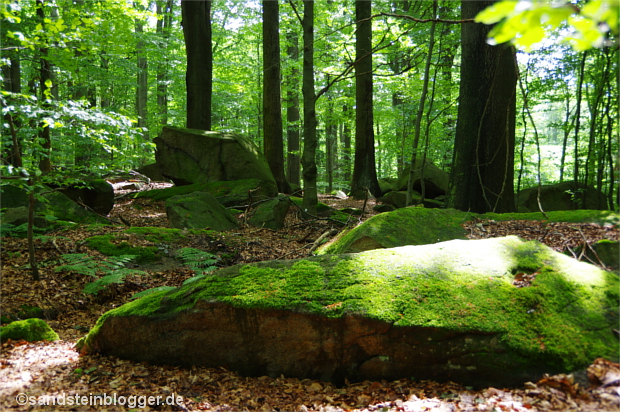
x=370, y=70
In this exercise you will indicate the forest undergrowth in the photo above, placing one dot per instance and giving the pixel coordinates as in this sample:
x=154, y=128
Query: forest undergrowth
x=53, y=369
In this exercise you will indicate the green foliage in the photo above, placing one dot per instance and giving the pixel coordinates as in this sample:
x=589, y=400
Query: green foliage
x=105, y=245
x=527, y=23
x=197, y=260
x=111, y=269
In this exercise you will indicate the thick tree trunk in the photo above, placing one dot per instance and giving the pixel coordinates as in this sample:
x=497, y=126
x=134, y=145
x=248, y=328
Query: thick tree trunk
x=199, y=77
x=483, y=163
x=364, y=171
x=308, y=159
x=273, y=140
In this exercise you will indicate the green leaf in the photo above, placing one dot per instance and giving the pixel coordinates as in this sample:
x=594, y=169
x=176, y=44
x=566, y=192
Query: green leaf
x=496, y=12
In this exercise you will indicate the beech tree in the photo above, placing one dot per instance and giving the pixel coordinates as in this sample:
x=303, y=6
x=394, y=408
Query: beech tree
x=483, y=165
x=199, y=77
x=272, y=106
x=364, y=170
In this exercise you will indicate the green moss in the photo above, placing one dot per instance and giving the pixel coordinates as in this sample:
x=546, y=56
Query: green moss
x=31, y=330
x=408, y=226
x=106, y=245
x=563, y=318
x=120, y=243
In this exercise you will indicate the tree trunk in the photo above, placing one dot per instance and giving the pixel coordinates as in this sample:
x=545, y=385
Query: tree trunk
x=292, y=114
x=196, y=17
x=582, y=66
x=364, y=171
x=45, y=78
x=418, y=119
x=308, y=159
x=345, y=140
x=164, y=10
x=142, y=80
x=273, y=140
x=483, y=163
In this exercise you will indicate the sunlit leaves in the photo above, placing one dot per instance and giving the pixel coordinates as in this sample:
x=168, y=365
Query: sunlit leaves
x=527, y=23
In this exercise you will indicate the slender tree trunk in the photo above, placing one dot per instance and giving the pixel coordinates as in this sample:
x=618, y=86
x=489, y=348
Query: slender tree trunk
x=482, y=179
x=345, y=140
x=199, y=77
x=364, y=170
x=418, y=119
x=292, y=113
x=273, y=141
x=164, y=23
x=12, y=83
x=45, y=78
x=578, y=117
x=308, y=159
x=142, y=80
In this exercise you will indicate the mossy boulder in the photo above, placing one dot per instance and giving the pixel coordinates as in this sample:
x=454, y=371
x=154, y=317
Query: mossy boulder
x=600, y=217
x=562, y=196
x=234, y=193
x=32, y=330
x=270, y=214
x=53, y=211
x=188, y=156
x=408, y=226
x=199, y=210
x=448, y=311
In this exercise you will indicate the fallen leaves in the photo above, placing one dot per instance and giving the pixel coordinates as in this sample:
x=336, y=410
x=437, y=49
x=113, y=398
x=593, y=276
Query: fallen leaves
x=56, y=368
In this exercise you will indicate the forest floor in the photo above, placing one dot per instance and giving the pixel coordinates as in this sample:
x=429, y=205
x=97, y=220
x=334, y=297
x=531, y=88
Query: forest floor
x=30, y=371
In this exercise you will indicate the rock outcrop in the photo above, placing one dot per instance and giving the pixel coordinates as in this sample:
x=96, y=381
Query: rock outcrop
x=198, y=210
x=496, y=311
x=408, y=226
x=561, y=196
x=436, y=181
x=188, y=156
x=49, y=214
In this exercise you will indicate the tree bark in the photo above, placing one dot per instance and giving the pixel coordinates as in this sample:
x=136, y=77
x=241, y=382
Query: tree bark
x=308, y=159
x=364, y=170
x=164, y=10
x=483, y=163
x=273, y=141
x=196, y=23
x=45, y=77
x=292, y=114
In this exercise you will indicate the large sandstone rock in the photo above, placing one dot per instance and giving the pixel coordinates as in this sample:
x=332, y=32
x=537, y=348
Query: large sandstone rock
x=237, y=194
x=49, y=213
x=409, y=226
x=188, y=156
x=561, y=196
x=447, y=311
x=436, y=181
x=198, y=210
x=271, y=214
x=98, y=196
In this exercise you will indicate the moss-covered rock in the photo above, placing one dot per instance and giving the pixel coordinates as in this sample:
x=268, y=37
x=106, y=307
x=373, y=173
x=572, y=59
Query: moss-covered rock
x=448, y=311
x=32, y=330
x=419, y=226
x=235, y=193
x=189, y=156
x=199, y=210
x=56, y=210
x=409, y=226
x=271, y=214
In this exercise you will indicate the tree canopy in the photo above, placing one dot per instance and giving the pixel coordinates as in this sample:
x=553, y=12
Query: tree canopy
x=116, y=74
